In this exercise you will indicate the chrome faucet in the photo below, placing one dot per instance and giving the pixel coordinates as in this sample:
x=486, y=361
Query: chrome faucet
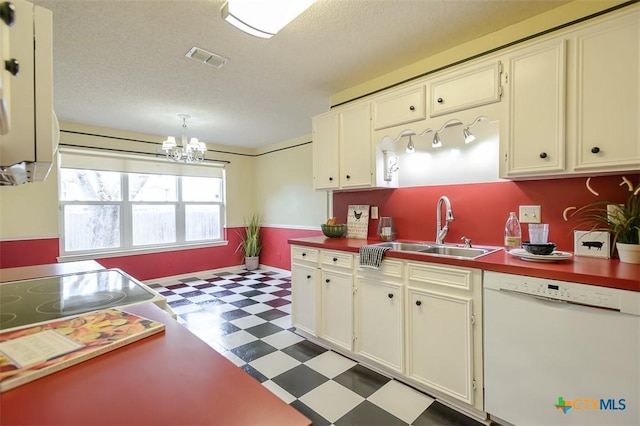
x=441, y=232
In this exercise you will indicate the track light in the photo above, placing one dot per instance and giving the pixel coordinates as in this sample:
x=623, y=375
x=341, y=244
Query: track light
x=410, y=146
x=437, y=143
x=468, y=136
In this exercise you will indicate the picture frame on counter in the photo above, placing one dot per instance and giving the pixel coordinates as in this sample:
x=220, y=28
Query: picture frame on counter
x=592, y=244
x=358, y=221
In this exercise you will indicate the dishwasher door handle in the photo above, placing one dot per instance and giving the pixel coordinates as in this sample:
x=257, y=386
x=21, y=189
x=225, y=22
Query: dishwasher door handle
x=534, y=296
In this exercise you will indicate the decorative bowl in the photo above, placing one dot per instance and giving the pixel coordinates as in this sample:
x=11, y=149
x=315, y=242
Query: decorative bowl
x=333, y=231
x=540, y=249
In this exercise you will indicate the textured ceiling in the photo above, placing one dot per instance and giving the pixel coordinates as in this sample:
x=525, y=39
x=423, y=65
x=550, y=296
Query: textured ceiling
x=121, y=64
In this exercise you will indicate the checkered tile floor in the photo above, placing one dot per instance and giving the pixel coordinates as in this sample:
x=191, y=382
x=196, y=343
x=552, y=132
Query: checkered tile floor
x=246, y=317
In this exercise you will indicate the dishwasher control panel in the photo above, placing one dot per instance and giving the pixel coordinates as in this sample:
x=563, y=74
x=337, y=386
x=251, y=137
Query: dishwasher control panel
x=602, y=297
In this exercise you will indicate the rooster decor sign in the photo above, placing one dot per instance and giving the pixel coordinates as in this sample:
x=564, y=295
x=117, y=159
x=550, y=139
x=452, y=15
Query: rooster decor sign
x=358, y=221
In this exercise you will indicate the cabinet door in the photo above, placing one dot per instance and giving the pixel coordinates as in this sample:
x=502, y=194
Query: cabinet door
x=608, y=91
x=379, y=330
x=536, y=142
x=304, y=298
x=356, y=157
x=337, y=308
x=326, y=163
x=403, y=107
x=440, y=342
x=479, y=85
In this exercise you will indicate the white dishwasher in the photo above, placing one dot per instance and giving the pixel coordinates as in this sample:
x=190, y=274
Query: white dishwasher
x=560, y=353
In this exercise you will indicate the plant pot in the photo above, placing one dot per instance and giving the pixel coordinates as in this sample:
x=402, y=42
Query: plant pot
x=628, y=253
x=252, y=263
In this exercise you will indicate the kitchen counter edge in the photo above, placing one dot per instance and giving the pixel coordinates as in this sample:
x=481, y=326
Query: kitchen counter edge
x=579, y=269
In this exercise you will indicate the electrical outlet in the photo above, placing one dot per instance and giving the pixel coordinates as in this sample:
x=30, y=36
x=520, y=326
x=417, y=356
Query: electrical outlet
x=374, y=212
x=530, y=214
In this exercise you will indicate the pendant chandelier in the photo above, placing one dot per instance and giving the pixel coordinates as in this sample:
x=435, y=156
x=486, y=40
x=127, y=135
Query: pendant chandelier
x=189, y=152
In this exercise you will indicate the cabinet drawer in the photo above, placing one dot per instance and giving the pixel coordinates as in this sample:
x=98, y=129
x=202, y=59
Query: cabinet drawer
x=388, y=268
x=472, y=88
x=304, y=253
x=460, y=278
x=337, y=258
x=400, y=108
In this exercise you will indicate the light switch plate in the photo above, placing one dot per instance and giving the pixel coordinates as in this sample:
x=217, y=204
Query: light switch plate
x=530, y=214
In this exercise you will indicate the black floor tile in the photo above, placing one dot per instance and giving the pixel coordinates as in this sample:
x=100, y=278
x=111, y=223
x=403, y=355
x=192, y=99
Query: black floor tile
x=222, y=293
x=299, y=380
x=271, y=315
x=264, y=330
x=252, y=293
x=304, y=351
x=439, y=414
x=235, y=314
x=192, y=294
x=210, y=303
x=243, y=302
x=281, y=293
x=190, y=279
x=277, y=302
x=176, y=286
x=255, y=373
x=258, y=285
x=233, y=285
x=181, y=302
x=316, y=419
x=253, y=350
x=226, y=327
x=368, y=414
x=201, y=286
x=361, y=380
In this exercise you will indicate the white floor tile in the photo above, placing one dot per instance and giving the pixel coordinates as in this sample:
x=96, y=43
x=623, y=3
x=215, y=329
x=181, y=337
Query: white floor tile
x=179, y=310
x=257, y=308
x=330, y=364
x=279, y=392
x=401, y=400
x=331, y=400
x=274, y=364
x=284, y=322
x=246, y=322
x=282, y=339
x=285, y=308
x=264, y=297
x=232, y=298
x=239, y=338
x=270, y=289
x=182, y=289
x=233, y=358
x=201, y=298
x=174, y=297
x=241, y=289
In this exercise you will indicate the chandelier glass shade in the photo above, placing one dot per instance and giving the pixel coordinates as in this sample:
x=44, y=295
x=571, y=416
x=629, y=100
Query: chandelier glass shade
x=191, y=151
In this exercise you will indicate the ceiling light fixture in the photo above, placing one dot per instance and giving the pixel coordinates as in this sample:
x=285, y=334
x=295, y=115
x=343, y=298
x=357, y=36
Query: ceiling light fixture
x=190, y=152
x=468, y=136
x=411, y=148
x=263, y=18
x=437, y=143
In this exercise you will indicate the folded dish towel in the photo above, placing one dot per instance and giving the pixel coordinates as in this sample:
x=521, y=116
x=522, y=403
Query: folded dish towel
x=372, y=255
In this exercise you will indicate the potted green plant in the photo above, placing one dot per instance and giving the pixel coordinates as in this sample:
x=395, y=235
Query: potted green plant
x=622, y=221
x=250, y=243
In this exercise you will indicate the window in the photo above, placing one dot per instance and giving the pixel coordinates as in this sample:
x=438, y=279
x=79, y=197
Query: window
x=113, y=211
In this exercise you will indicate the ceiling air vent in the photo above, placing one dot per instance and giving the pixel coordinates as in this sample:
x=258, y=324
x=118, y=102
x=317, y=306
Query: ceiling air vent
x=201, y=55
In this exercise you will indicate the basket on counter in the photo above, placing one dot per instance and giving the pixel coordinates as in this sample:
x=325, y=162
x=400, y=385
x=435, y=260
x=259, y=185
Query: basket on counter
x=333, y=231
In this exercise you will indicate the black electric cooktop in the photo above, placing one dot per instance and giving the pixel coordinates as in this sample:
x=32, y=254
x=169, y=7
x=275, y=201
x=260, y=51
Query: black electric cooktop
x=44, y=299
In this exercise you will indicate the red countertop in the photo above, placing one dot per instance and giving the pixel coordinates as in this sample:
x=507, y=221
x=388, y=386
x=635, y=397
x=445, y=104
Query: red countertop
x=586, y=270
x=171, y=378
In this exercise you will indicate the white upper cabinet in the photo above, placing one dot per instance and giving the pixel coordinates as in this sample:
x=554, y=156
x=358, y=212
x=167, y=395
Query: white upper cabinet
x=536, y=135
x=326, y=150
x=468, y=87
x=356, y=157
x=401, y=107
x=606, y=101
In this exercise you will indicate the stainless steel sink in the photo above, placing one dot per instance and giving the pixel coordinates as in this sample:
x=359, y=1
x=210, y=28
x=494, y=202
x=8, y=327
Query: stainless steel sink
x=439, y=250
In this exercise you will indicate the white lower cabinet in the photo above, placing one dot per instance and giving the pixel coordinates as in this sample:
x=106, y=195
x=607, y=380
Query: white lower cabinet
x=420, y=322
x=336, y=298
x=379, y=315
x=305, y=291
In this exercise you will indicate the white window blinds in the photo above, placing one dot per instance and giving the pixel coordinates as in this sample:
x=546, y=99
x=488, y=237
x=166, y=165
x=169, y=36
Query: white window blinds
x=86, y=159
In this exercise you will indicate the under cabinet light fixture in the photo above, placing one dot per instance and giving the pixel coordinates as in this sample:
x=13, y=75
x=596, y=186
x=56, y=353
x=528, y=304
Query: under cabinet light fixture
x=411, y=148
x=263, y=18
x=437, y=143
x=468, y=136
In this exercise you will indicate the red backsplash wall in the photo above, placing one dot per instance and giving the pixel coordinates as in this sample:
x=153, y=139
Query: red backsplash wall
x=480, y=210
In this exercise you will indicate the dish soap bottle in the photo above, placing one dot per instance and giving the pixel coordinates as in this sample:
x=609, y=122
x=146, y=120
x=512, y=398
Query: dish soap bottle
x=512, y=233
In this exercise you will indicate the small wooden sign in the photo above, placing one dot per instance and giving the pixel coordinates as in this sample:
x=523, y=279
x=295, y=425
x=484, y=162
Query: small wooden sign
x=358, y=221
x=592, y=244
